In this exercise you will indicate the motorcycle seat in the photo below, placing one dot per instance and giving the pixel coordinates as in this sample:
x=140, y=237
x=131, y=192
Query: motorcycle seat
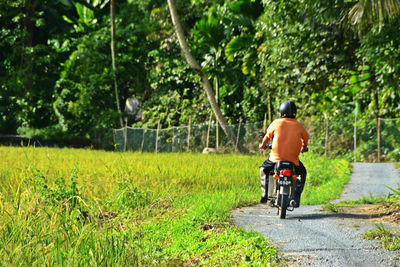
x=280, y=165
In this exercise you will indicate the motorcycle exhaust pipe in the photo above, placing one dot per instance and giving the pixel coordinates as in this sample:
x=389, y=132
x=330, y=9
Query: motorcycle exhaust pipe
x=271, y=186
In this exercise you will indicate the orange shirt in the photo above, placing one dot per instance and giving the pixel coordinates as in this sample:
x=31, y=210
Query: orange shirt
x=289, y=137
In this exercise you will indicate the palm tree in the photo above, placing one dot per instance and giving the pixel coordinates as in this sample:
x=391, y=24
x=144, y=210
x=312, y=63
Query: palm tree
x=367, y=12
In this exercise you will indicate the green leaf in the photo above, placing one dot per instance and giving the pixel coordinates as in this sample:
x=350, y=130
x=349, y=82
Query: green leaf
x=80, y=10
x=67, y=19
x=353, y=79
x=249, y=62
x=365, y=76
x=355, y=89
x=235, y=45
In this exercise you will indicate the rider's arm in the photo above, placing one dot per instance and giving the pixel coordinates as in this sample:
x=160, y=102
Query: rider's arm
x=305, y=138
x=268, y=135
x=264, y=142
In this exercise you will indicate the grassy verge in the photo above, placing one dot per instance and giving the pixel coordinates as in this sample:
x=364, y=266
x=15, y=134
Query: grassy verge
x=82, y=207
x=390, y=239
x=336, y=207
x=325, y=179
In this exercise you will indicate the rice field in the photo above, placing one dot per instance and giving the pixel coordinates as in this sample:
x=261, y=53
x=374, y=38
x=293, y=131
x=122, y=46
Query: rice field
x=85, y=207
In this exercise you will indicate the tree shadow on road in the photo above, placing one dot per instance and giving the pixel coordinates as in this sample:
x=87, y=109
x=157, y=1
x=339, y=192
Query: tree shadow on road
x=338, y=215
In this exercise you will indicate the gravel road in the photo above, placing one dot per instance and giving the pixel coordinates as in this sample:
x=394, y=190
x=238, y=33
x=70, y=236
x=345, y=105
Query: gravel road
x=311, y=237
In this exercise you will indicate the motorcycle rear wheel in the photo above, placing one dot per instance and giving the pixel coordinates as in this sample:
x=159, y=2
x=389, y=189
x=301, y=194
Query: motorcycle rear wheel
x=284, y=205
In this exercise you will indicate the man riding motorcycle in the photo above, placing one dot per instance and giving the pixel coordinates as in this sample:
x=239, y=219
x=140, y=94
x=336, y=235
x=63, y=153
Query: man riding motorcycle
x=289, y=139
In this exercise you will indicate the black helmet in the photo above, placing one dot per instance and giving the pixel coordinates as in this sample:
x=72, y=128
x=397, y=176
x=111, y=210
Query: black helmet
x=288, y=110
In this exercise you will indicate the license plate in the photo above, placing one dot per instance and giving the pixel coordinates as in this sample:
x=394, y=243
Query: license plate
x=283, y=182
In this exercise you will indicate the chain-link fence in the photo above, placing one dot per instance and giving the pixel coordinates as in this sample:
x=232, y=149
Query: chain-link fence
x=379, y=138
x=193, y=138
x=356, y=139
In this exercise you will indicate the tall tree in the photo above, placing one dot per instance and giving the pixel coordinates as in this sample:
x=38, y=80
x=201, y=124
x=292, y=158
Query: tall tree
x=366, y=13
x=29, y=24
x=196, y=67
x=114, y=65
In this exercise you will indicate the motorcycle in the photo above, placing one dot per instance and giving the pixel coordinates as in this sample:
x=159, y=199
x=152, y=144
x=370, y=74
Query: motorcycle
x=282, y=186
x=283, y=183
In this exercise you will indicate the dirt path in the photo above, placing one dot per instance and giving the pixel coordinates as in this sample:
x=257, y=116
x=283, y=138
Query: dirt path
x=311, y=237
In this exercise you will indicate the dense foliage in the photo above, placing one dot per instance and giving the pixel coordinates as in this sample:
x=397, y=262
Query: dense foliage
x=56, y=75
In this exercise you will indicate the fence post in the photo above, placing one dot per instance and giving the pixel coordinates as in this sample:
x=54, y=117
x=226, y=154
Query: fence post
x=158, y=129
x=355, y=137
x=237, y=136
x=173, y=139
x=217, y=135
x=379, y=139
x=125, y=137
x=265, y=130
x=142, y=144
x=188, y=138
x=114, y=139
x=208, y=131
x=265, y=123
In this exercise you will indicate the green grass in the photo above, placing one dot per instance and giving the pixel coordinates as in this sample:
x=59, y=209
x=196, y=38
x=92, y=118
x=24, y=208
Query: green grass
x=336, y=207
x=83, y=207
x=325, y=179
x=390, y=239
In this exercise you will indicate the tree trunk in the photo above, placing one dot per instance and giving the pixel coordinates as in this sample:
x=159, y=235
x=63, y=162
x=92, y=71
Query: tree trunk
x=114, y=65
x=196, y=67
x=378, y=130
x=26, y=58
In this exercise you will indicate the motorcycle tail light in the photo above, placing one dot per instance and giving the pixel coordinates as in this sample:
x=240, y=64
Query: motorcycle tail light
x=276, y=177
x=294, y=177
x=286, y=173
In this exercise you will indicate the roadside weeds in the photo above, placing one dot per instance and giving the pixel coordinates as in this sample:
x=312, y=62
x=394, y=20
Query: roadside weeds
x=382, y=214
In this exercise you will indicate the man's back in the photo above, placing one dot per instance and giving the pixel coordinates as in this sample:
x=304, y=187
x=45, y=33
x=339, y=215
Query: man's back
x=289, y=136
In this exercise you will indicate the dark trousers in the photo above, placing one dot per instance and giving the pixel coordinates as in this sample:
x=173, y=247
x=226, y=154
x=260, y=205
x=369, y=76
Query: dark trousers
x=268, y=166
